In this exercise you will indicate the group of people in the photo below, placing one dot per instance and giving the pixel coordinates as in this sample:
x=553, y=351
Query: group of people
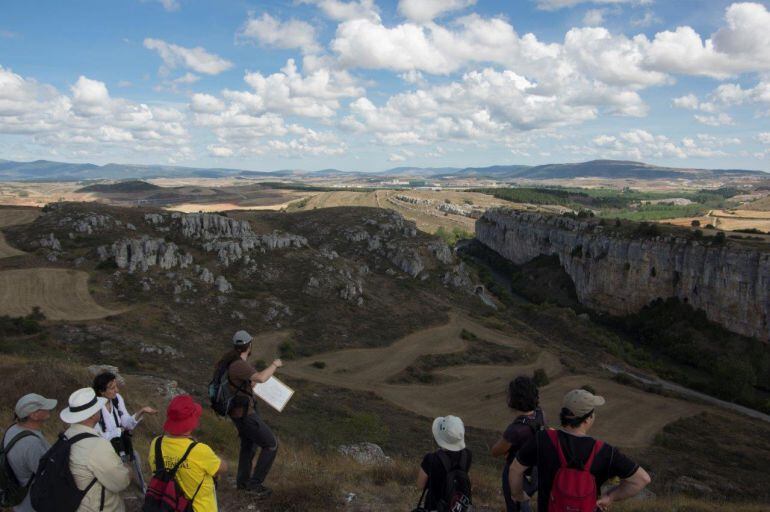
x=565, y=467
x=103, y=463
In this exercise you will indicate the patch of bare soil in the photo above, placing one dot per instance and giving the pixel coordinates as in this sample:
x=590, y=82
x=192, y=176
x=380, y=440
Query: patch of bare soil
x=631, y=417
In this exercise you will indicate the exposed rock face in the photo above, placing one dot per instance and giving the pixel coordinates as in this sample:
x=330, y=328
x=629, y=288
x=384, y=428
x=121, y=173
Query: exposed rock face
x=620, y=274
x=222, y=285
x=143, y=253
x=441, y=251
x=367, y=454
x=51, y=242
x=230, y=239
x=408, y=260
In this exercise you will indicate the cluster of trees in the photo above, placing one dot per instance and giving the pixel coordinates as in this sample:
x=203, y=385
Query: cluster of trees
x=705, y=356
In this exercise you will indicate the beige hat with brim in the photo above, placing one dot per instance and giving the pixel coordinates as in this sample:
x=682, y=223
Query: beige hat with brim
x=83, y=404
x=581, y=402
x=449, y=433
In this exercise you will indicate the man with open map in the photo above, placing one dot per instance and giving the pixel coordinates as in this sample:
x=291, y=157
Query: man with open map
x=252, y=430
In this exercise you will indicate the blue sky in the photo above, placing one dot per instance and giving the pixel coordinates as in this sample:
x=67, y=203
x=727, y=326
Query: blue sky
x=368, y=84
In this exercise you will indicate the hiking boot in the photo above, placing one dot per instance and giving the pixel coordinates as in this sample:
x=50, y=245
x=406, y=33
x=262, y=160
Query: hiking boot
x=259, y=491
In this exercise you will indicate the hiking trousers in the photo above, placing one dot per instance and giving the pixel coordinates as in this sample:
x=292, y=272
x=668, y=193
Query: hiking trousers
x=254, y=433
x=512, y=505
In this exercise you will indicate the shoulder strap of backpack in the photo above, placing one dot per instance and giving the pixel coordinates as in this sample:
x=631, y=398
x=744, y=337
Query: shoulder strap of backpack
x=15, y=439
x=554, y=436
x=159, y=454
x=80, y=437
x=184, y=457
x=597, y=446
x=444, y=459
x=463, y=460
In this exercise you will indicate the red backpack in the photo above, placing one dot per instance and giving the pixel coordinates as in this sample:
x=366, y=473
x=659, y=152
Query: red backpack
x=164, y=494
x=573, y=490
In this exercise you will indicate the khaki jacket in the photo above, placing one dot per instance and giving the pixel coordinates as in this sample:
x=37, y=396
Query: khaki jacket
x=92, y=458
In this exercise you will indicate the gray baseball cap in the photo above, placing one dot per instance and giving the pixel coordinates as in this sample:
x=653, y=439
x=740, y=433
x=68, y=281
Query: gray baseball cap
x=241, y=338
x=31, y=403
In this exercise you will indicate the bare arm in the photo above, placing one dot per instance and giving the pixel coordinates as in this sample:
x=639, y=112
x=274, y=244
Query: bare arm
x=222, y=468
x=516, y=480
x=268, y=372
x=422, y=479
x=501, y=447
x=627, y=488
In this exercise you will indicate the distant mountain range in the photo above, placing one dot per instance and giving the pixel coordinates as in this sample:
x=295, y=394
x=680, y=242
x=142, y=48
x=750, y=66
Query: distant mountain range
x=43, y=170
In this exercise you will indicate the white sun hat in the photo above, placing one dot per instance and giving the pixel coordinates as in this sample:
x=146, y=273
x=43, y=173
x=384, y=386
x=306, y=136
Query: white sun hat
x=449, y=433
x=83, y=404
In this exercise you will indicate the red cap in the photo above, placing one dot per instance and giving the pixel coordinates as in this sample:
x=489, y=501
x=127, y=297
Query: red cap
x=182, y=416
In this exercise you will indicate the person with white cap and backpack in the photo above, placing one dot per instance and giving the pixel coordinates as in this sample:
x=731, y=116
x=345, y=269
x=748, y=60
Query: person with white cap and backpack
x=83, y=458
x=443, y=476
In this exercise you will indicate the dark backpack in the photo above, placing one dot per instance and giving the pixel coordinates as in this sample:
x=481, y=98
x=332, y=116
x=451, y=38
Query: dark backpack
x=54, y=488
x=220, y=394
x=573, y=490
x=164, y=494
x=12, y=492
x=457, y=487
x=536, y=424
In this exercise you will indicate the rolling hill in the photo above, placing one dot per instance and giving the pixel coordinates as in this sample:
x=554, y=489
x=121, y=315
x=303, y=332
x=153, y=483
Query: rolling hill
x=44, y=170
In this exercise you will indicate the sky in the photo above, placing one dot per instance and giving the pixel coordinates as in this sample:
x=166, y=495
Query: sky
x=367, y=85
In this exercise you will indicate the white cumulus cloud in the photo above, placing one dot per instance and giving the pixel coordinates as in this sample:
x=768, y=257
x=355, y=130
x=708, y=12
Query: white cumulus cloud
x=552, y=5
x=270, y=31
x=423, y=11
x=196, y=59
x=339, y=10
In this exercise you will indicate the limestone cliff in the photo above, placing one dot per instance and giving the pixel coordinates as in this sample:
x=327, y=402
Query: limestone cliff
x=620, y=273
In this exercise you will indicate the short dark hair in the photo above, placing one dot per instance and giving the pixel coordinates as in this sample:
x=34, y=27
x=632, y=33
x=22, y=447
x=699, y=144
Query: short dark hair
x=523, y=394
x=568, y=418
x=103, y=380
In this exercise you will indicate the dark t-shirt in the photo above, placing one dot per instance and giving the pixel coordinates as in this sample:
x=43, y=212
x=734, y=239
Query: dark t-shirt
x=433, y=467
x=609, y=462
x=240, y=373
x=520, y=431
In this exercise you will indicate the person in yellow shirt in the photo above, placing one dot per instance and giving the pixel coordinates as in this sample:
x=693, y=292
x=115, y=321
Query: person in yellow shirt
x=197, y=472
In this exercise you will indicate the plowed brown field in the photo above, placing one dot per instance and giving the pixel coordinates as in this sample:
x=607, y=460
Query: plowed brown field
x=61, y=294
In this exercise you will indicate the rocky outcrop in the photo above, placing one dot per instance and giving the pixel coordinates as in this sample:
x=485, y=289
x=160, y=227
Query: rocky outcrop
x=223, y=285
x=413, y=200
x=230, y=239
x=620, y=273
x=407, y=259
x=367, y=454
x=143, y=253
x=50, y=242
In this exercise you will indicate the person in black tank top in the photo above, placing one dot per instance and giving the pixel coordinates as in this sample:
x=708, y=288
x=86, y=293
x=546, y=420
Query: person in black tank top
x=524, y=401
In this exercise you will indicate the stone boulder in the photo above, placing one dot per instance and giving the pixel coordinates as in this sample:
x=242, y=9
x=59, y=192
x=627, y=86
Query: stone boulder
x=98, y=369
x=366, y=454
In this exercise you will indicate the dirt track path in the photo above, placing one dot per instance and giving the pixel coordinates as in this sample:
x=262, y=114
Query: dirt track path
x=631, y=417
x=61, y=294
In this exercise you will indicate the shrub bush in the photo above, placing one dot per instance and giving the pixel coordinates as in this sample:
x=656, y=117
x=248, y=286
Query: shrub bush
x=540, y=377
